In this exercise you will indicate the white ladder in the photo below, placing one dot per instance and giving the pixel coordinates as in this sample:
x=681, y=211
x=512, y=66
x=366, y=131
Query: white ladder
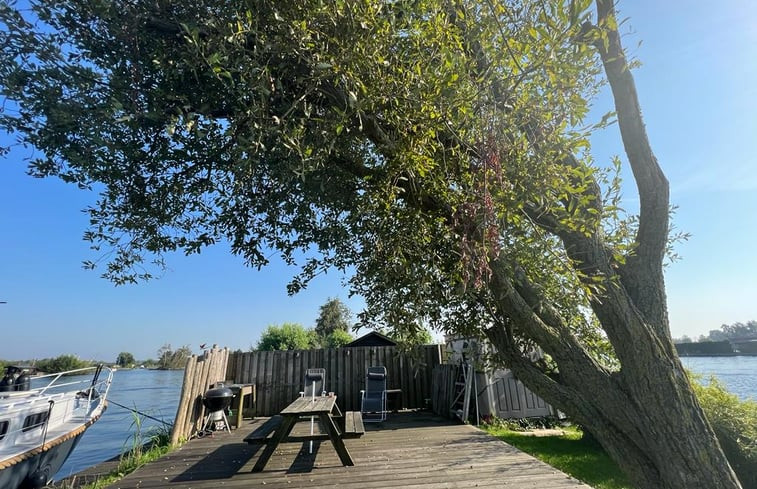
x=465, y=385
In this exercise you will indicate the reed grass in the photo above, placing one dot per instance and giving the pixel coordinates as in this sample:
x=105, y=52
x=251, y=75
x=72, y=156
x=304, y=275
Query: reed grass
x=141, y=448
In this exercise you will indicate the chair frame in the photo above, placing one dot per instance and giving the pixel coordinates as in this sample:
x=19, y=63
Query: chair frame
x=309, y=389
x=371, y=415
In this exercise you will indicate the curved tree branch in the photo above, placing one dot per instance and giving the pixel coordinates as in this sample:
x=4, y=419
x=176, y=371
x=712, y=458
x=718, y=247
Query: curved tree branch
x=642, y=275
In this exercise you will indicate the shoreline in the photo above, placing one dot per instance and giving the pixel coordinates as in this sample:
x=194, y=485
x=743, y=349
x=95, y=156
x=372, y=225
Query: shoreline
x=95, y=472
x=715, y=355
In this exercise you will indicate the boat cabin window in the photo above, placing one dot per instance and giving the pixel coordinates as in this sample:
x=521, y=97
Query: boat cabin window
x=35, y=420
x=3, y=429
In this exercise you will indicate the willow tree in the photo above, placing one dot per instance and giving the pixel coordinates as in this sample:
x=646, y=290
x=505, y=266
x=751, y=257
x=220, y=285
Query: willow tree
x=436, y=148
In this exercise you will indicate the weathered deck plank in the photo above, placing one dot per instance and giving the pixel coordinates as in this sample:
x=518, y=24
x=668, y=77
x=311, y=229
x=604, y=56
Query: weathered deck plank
x=410, y=450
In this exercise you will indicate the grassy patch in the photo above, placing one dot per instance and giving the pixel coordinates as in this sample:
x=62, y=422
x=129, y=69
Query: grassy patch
x=139, y=453
x=585, y=460
x=128, y=464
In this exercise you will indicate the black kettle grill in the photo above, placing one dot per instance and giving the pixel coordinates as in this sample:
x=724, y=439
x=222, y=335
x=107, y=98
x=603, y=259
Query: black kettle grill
x=216, y=401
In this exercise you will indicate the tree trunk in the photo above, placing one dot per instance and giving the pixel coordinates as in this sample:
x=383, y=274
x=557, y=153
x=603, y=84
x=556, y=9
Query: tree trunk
x=645, y=414
x=647, y=420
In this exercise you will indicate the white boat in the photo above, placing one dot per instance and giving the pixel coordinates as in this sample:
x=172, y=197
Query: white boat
x=42, y=419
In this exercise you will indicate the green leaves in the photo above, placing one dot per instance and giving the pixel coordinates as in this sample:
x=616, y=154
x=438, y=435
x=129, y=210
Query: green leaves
x=288, y=336
x=334, y=316
x=407, y=140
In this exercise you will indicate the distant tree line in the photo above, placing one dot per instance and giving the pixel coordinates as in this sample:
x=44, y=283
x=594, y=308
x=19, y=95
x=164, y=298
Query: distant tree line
x=168, y=359
x=331, y=330
x=62, y=363
x=735, y=331
x=52, y=365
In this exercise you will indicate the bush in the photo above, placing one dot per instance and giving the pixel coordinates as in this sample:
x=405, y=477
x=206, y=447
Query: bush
x=521, y=424
x=735, y=425
x=288, y=336
x=338, y=338
x=61, y=363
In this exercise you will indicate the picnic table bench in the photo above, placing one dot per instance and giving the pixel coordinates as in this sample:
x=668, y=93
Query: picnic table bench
x=353, y=425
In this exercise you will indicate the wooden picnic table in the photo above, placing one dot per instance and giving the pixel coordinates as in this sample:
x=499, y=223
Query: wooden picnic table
x=322, y=407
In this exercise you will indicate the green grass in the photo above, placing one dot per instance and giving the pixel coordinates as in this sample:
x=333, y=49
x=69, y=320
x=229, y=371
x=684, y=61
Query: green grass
x=137, y=452
x=583, y=459
x=129, y=463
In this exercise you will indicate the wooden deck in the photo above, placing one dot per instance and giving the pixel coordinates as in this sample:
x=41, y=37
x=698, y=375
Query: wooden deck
x=409, y=450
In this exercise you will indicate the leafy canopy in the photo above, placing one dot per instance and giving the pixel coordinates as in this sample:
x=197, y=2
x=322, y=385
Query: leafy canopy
x=337, y=339
x=125, y=359
x=735, y=424
x=170, y=359
x=61, y=363
x=288, y=336
x=407, y=139
x=334, y=316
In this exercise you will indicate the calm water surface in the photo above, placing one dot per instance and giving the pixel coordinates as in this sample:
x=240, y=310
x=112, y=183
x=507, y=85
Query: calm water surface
x=739, y=374
x=154, y=392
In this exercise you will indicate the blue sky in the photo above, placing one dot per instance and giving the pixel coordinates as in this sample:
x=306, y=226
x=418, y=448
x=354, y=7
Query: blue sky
x=698, y=91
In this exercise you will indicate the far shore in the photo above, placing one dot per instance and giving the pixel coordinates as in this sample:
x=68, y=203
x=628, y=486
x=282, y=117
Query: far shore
x=718, y=355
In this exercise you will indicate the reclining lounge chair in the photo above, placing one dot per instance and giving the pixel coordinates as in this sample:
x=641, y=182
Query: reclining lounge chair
x=315, y=385
x=373, y=398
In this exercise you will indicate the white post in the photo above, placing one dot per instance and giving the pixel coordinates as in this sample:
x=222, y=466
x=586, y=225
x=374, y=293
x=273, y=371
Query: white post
x=312, y=422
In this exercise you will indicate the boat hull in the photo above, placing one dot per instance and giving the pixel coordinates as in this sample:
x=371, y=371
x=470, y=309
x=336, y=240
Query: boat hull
x=40, y=425
x=37, y=470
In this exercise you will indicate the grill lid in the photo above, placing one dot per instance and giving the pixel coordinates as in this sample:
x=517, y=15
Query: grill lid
x=217, y=399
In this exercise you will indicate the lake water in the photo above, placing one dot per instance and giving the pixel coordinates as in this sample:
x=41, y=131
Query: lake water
x=153, y=392
x=156, y=393
x=739, y=374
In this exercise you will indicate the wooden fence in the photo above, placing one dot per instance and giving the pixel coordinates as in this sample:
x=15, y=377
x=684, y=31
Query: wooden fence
x=507, y=397
x=499, y=394
x=443, y=393
x=200, y=373
x=278, y=375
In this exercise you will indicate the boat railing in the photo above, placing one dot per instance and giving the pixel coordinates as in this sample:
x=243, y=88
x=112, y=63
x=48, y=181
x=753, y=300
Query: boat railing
x=53, y=383
x=50, y=405
x=95, y=386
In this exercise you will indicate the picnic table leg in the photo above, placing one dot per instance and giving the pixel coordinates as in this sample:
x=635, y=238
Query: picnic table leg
x=278, y=436
x=336, y=439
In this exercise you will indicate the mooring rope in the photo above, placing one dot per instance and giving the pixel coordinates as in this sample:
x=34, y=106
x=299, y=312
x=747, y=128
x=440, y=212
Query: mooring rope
x=139, y=412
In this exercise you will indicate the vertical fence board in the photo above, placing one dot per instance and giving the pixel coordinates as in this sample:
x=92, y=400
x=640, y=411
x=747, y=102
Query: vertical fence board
x=267, y=365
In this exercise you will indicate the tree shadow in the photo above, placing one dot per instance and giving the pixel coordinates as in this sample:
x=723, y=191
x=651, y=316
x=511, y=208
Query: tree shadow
x=222, y=463
x=305, y=461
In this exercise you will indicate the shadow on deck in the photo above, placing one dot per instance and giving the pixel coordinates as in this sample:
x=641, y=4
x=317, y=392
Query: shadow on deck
x=413, y=450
